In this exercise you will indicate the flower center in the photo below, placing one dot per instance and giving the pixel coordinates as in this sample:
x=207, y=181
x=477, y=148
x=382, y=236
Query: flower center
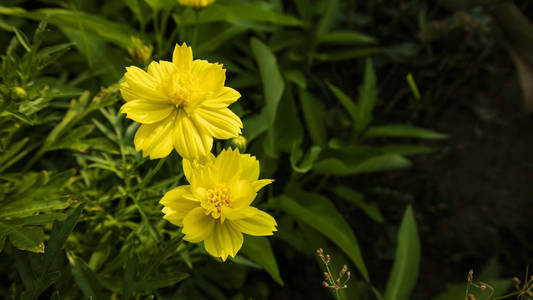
x=178, y=87
x=218, y=197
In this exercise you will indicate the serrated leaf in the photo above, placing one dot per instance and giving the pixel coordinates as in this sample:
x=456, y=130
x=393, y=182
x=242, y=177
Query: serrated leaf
x=258, y=249
x=404, y=273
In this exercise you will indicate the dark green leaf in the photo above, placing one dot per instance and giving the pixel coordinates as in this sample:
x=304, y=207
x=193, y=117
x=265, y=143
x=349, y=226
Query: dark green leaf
x=404, y=273
x=400, y=130
x=258, y=249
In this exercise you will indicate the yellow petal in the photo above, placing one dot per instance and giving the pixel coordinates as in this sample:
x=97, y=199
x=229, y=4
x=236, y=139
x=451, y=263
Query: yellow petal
x=160, y=71
x=190, y=141
x=223, y=99
x=146, y=112
x=227, y=166
x=197, y=164
x=220, y=123
x=259, y=184
x=197, y=226
x=256, y=223
x=182, y=57
x=210, y=77
x=250, y=167
x=223, y=241
x=178, y=203
x=155, y=140
x=242, y=194
x=127, y=93
x=144, y=85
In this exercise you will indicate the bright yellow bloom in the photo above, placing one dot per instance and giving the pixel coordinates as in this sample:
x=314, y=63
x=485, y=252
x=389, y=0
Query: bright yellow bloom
x=181, y=104
x=215, y=207
x=196, y=3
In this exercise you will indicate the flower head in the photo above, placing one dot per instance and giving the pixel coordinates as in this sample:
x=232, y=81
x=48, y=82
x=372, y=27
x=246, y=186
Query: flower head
x=196, y=3
x=181, y=105
x=215, y=207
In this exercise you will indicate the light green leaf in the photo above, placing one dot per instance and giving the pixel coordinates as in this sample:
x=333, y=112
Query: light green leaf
x=404, y=273
x=319, y=213
x=400, y=130
x=314, y=115
x=258, y=249
x=28, y=238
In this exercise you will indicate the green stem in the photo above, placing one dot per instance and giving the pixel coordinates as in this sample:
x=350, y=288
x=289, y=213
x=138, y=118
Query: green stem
x=507, y=296
x=195, y=30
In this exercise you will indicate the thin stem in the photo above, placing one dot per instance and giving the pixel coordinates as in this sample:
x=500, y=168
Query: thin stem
x=195, y=30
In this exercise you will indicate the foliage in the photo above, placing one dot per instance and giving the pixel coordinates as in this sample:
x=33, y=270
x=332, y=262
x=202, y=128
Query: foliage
x=80, y=213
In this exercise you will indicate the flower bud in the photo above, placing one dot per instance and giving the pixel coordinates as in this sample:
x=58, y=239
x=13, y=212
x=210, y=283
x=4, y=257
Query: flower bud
x=239, y=142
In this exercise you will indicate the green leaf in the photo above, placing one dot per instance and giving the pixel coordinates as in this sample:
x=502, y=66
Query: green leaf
x=58, y=236
x=116, y=33
x=84, y=277
x=400, y=130
x=238, y=12
x=368, y=94
x=404, y=271
x=258, y=249
x=306, y=163
x=352, y=196
x=273, y=84
x=28, y=238
x=345, y=38
x=329, y=17
x=385, y=162
x=314, y=115
x=346, y=101
x=162, y=281
x=23, y=39
x=20, y=116
x=319, y=213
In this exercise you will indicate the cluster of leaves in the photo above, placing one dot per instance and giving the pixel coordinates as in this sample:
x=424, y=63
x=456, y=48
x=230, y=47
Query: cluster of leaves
x=307, y=130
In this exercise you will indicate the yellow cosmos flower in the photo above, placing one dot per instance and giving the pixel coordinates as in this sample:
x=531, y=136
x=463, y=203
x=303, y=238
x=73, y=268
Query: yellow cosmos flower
x=181, y=104
x=196, y=3
x=215, y=207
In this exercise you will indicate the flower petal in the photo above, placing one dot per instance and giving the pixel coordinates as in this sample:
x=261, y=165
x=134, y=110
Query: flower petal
x=142, y=85
x=210, y=77
x=161, y=70
x=256, y=222
x=227, y=166
x=178, y=203
x=182, y=57
x=197, y=226
x=155, y=140
x=146, y=112
x=220, y=123
x=250, y=167
x=224, y=240
x=259, y=184
x=223, y=99
x=189, y=166
x=189, y=140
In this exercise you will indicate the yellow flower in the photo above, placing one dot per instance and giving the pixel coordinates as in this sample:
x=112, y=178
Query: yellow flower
x=196, y=3
x=181, y=104
x=215, y=207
